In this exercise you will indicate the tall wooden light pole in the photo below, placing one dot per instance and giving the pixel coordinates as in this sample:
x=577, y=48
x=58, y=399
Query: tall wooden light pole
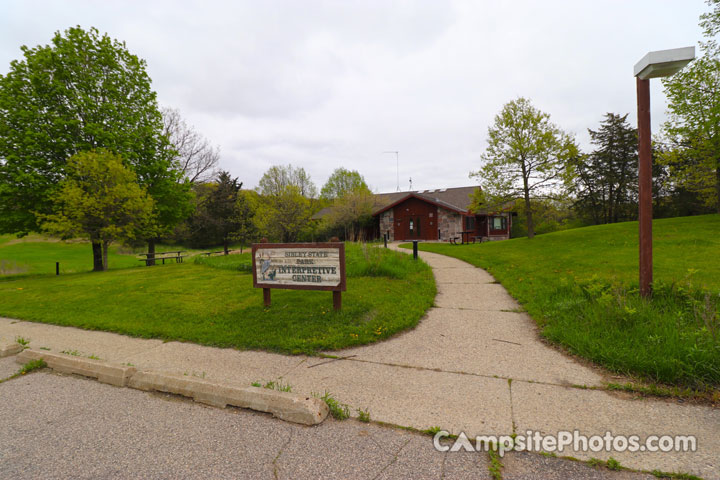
x=653, y=65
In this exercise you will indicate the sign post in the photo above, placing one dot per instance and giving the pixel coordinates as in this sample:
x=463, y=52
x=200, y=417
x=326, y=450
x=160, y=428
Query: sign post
x=300, y=266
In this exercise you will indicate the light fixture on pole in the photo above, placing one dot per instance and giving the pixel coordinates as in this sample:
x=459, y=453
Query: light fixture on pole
x=653, y=65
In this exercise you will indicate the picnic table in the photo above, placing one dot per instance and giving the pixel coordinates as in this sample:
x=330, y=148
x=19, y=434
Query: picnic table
x=464, y=237
x=150, y=258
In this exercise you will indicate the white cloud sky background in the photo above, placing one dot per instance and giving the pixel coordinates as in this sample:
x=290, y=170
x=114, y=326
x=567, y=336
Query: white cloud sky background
x=324, y=84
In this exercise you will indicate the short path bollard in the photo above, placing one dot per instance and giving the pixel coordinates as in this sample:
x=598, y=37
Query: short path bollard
x=415, y=247
x=385, y=239
x=57, y=268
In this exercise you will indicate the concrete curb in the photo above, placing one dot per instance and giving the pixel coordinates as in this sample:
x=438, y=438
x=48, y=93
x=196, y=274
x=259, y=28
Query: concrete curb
x=104, y=372
x=10, y=349
x=284, y=405
x=291, y=407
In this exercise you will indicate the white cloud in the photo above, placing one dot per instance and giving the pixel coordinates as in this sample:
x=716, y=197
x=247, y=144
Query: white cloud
x=323, y=84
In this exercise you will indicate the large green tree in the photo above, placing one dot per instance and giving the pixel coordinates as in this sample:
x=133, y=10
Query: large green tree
x=99, y=199
x=341, y=182
x=277, y=178
x=83, y=91
x=527, y=157
x=693, y=127
x=283, y=216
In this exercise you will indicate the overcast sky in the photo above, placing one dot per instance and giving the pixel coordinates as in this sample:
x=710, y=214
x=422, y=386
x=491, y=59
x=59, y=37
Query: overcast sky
x=324, y=84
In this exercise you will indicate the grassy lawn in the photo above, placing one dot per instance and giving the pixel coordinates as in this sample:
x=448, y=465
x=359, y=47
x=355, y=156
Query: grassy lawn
x=36, y=255
x=211, y=301
x=581, y=287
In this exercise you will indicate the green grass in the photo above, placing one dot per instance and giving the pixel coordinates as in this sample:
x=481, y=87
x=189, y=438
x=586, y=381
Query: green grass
x=581, y=287
x=29, y=367
x=338, y=410
x=37, y=255
x=212, y=302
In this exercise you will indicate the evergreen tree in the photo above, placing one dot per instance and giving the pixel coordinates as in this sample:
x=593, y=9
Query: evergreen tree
x=218, y=218
x=606, y=179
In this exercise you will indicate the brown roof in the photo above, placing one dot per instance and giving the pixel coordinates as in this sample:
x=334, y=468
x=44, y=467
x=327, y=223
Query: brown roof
x=321, y=213
x=457, y=198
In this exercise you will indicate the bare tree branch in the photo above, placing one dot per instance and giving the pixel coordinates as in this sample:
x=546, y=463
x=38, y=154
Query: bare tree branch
x=196, y=158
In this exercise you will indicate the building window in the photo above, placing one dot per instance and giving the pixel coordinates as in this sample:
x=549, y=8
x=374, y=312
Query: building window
x=470, y=223
x=499, y=223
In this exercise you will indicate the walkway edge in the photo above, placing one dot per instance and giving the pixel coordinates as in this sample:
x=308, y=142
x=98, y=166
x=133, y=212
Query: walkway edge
x=104, y=372
x=291, y=407
x=10, y=349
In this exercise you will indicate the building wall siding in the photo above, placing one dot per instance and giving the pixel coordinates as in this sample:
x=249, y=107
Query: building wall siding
x=386, y=225
x=449, y=223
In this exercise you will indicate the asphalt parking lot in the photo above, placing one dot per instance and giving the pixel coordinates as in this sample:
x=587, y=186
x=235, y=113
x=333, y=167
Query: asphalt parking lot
x=58, y=426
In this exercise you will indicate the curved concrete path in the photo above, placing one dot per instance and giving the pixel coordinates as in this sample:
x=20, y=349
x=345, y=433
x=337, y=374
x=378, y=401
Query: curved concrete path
x=474, y=364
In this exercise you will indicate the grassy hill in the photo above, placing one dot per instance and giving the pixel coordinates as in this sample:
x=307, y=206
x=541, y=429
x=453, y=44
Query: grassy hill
x=581, y=287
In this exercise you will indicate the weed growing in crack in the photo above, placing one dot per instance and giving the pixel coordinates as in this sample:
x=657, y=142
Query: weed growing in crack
x=496, y=465
x=677, y=476
x=32, y=365
x=279, y=386
x=363, y=415
x=613, y=464
x=432, y=431
x=272, y=385
x=339, y=411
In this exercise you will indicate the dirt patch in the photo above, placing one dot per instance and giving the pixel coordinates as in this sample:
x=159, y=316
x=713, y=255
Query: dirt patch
x=35, y=238
x=10, y=267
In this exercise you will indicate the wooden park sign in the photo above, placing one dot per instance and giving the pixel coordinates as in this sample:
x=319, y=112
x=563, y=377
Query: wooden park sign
x=300, y=266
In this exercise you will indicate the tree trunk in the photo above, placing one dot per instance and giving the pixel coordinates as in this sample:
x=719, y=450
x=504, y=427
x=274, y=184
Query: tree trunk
x=151, y=252
x=528, y=210
x=97, y=257
x=105, y=245
x=225, y=246
x=529, y=217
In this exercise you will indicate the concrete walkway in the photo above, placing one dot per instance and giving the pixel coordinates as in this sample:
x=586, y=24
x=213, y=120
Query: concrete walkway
x=474, y=364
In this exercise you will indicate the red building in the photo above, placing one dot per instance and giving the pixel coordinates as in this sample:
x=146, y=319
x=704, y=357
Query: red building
x=440, y=214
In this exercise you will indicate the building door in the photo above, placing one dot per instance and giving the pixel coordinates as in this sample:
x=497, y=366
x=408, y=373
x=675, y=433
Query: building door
x=416, y=220
x=414, y=228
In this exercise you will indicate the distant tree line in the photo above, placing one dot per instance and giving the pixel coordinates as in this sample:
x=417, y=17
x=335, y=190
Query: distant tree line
x=279, y=209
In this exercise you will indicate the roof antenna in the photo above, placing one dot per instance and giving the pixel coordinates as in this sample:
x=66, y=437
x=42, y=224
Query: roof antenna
x=411, y=184
x=397, y=163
